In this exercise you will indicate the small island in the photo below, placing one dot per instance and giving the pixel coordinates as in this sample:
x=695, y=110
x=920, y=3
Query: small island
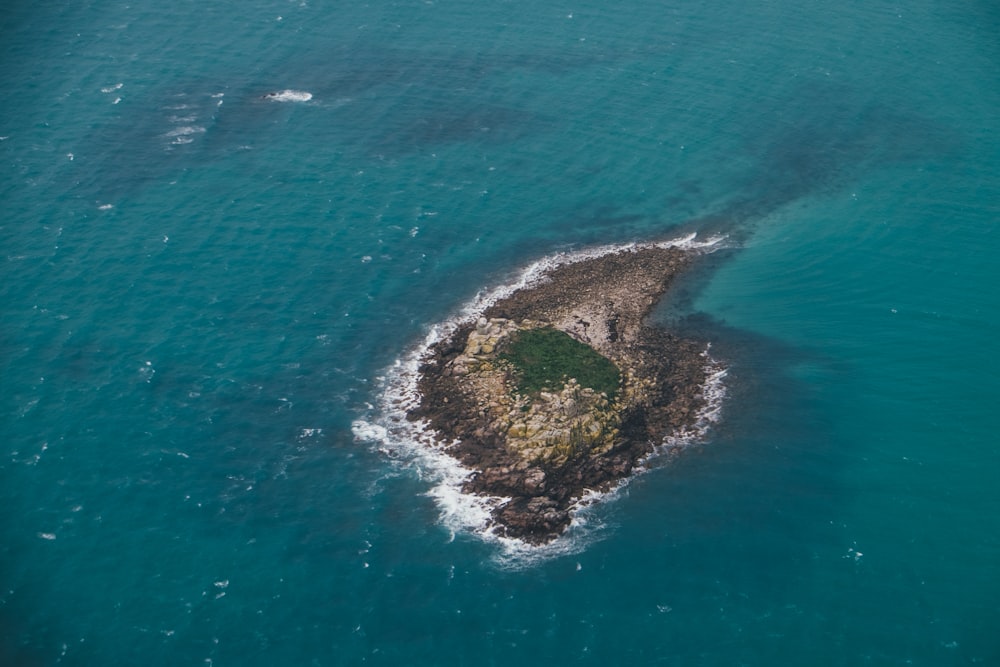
x=563, y=387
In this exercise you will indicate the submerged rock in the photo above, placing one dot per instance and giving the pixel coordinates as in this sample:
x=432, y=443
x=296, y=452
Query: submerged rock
x=562, y=387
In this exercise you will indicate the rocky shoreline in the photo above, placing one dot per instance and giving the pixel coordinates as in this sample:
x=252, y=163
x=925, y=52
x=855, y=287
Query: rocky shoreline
x=545, y=447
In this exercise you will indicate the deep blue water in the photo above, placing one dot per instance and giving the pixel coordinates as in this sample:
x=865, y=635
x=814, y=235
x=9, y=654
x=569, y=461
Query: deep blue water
x=202, y=288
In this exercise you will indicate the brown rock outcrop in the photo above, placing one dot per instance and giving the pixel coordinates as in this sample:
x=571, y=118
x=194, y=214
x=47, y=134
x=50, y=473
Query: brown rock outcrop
x=543, y=450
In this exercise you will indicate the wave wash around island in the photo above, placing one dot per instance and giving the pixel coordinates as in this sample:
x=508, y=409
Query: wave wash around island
x=548, y=392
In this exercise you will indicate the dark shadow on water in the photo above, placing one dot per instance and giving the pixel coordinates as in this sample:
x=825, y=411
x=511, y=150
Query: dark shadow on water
x=821, y=141
x=386, y=102
x=461, y=123
x=19, y=637
x=745, y=513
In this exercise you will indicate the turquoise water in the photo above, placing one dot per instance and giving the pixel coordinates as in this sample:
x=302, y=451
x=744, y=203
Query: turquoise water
x=201, y=289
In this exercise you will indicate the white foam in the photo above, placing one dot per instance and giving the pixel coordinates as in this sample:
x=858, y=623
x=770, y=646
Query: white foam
x=289, y=96
x=111, y=89
x=363, y=430
x=713, y=393
x=536, y=272
x=414, y=442
x=184, y=134
x=185, y=131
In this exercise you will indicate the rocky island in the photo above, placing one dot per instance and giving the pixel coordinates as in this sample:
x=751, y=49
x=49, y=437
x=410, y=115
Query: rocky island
x=562, y=387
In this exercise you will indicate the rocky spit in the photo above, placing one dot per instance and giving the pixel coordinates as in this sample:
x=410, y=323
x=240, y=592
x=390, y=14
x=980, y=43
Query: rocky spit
x=545, y=450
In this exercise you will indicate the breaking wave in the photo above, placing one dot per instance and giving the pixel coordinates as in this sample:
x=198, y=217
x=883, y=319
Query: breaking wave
x=289, y=96
x=414, y=443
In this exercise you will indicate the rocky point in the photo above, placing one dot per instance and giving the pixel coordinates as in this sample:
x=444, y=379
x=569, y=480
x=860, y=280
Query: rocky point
x=528, y=422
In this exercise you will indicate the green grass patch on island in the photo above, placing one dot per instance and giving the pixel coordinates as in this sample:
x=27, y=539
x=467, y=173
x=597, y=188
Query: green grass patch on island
x=545, y=358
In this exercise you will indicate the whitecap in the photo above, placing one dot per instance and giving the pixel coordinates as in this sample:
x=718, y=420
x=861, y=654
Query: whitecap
x=184, y=134
x=363, y=430
x=288, y=96
x=185, y=131
x=413, y=441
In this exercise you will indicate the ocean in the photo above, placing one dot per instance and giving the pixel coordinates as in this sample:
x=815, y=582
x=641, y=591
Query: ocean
x=227, y=226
